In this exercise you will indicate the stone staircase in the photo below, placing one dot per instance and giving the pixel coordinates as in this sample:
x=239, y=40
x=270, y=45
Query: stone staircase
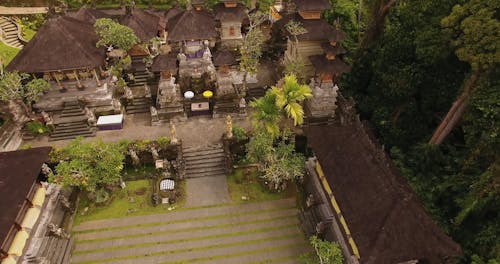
x=256, y=92
x=53, y=250
x=10, y=33
x=140, y=72
x=71, y=123
x=139, y=105
x=205, y=161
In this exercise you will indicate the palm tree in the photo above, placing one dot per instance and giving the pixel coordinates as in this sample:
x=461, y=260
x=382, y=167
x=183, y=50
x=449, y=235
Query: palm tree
x=267, y=114
x=290, y=96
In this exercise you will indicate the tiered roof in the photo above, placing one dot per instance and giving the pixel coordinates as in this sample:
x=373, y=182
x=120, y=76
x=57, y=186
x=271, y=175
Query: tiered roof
x=192, y=25
x=317, y=29
x=230, y=14
x=62, y=43
x=323, y=65
x=224, y=57
x=335, y=50
x=386, y=220
x=164, y=62
x=312, y=5
x=146, y=25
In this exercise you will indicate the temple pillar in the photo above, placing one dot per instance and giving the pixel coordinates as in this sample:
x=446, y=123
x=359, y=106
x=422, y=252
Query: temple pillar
x=57, y=80
x=96, y=77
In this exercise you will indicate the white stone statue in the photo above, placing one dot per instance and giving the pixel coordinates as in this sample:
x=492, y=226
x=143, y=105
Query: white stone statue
x=229, y=126
x=173, y=134
x=91, y=120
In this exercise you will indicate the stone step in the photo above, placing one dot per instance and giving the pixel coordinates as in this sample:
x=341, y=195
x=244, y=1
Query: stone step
x=204, y=168
x=204, y=157
x=70, y=129
x=198, y=153
x=72, y=136
x=205, y=160
x=217, y=173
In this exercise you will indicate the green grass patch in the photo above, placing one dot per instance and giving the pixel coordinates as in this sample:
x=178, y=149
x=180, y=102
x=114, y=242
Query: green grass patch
x=245, y=187
x=7, y=53
x=28, y=33
x=241, y=233
x=139, y=173
x=125, y=202
x=188, y=229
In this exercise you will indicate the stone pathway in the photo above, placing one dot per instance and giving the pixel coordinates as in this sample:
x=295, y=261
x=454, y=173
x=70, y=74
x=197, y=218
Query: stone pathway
x=206, y=191
x=264, y=232
x=4, y=10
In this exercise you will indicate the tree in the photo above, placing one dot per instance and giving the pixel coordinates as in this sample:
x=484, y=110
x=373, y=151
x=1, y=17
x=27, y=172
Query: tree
x=326, y=252
x=475, y=28
x=112, y=33
x=294, y=63
x=13, y=90
x=289, y=97
x=266, y=115
x=251, y=50
x=89, y=166
x=379, y=10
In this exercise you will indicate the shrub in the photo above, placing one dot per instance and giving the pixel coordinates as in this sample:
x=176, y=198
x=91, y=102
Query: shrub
x=36, y=128
x=163, y=142
x=239, y=133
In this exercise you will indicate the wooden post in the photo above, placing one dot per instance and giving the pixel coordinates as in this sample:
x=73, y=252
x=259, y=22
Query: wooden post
x=78, y=83
x=57, y=80
x=96, y=77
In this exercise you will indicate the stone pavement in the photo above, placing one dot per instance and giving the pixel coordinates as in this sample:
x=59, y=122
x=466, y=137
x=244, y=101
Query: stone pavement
x=196, y=131
x=264, y=232
x=4, y=10
x=205, y=191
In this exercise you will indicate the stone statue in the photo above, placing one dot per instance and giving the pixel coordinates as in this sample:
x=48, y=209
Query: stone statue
x=181, y=57
x=46, y=170
x=243, y=103
x=48, y=121
x=128, y=94
x=147, y=91
x=117, y=106
x=173, y=134
x=135, y=158
x=154, y=114
x=57, y=231
x=155, y=154
x=229, y=126
x=310, y=201
x=91, y=120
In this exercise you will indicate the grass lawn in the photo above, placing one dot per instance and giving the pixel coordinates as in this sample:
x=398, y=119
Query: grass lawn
x=28, y=33
x=7, y=53
x=241, y=185
x=126, y=202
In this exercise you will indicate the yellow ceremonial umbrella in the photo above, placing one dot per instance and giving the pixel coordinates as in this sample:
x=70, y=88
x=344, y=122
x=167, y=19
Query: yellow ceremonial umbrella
x=17, y=246
x=39, y=197
x=9, y=260
x=30, y=218
x=208, y=94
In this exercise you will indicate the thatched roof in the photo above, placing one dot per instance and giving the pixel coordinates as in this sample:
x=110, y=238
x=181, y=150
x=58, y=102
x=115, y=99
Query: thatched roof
x=89, y=14
x=172, y=12
x=323, y=65
x=336, y=35
x=230, y=14
x=317, y=29
x=386, y=219
x=144, y=23
x=224, y=57
x=192, y=25
x=336, y=50
x=62, y=43
x=312, y=5
x=164, y=62
x=19, y=171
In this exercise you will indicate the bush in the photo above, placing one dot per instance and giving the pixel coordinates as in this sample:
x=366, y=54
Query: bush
x=239, y=133
x=163, y=142
x=36, y=128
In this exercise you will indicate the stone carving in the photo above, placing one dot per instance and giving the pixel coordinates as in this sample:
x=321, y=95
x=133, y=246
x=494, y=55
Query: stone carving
x=91, y=119
x=310, y=201
x=128, y=94
x=147, y=91
x=155, y=154
x=323, y=102
x=135, y=158
x=49, y=122
x=57, y=231
x=117, y=106
x=46, y=170
x=154, y=116
x=229, y=126
x=173, y=134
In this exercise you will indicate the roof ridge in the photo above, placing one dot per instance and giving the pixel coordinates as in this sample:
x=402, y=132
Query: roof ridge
x=75, y=40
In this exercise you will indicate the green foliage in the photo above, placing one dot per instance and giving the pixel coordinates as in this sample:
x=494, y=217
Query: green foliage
x=326, y=252
x=163, y=142
x=36, y=128
x=142, y=145
x=296, y=67
x=349, y=14
x=7, y=54
x=251, y=49
x=266, y=115
x=239, y=133
x=475, y=26
x=34, y=89
x=12, y=88
x=89, y=166
x=259, y=146
x=112, y=33
x=290, y=96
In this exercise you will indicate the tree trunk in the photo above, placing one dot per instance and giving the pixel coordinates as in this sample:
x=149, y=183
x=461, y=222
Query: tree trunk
x=244, y=83
x=455, y=113
x=379, y=12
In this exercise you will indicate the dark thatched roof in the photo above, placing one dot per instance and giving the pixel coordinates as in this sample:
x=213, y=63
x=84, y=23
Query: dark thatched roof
x=172, y=12
x=323, y=65
x=62, y=43
x=164, y=62
x=192, y=25
x=230, y=14
x=224, y=57
x=145, y=24
x=336, y=35
x=386, y=219
x=19, y=171
x=89, y=15
x=312, y=5
x=336, y=50
x=317, y=29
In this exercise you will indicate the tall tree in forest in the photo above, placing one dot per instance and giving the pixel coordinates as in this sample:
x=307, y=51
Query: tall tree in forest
x=475, y=28
x=378, y=12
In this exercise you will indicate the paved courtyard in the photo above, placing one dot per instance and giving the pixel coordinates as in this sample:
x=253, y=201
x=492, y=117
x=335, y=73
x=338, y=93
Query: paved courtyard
x=206, y=191
x=264, y=232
